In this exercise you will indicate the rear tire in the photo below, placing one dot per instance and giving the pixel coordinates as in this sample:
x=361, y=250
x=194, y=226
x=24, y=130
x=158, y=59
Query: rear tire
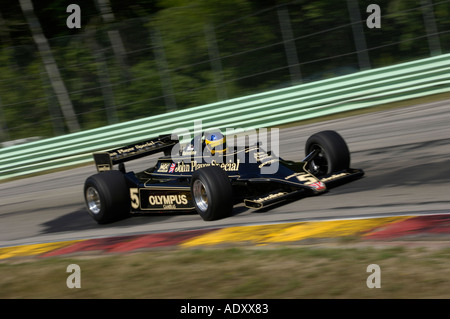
x=107, y=197
x=333, y=153
x=212, y=193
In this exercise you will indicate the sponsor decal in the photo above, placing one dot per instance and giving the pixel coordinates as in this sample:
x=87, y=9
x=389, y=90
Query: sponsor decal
x=318, y=186
x=269, y=162
x=309, y=179
x=260, y=156
x=103, y=167
x=135, y=148
x=271, y=196
x=189, y=151
x=167, y=201
x=333, y=177
x=182, y=167
x=264, y=158
x=163, y=168
x=150, y=199
x=145, y=145
x=229, y=167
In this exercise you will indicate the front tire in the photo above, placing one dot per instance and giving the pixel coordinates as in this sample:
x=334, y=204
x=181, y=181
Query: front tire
x=212, y=193
x=333, y=154
x=107, y=197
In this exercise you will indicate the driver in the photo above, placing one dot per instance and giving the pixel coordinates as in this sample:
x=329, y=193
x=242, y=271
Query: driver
x=216, y=142
x=212, y=142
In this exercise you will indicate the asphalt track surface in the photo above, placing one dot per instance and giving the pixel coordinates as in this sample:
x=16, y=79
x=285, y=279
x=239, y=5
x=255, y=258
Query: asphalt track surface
x=405, y=153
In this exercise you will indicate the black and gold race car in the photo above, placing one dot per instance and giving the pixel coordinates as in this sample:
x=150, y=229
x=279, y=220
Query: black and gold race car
x=210, y=178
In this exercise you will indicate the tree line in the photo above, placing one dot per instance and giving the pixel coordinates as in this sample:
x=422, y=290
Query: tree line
x=128, y=61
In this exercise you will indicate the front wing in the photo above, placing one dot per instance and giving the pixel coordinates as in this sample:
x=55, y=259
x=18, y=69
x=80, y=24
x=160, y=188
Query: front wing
x=167, y=198
x=311, y=188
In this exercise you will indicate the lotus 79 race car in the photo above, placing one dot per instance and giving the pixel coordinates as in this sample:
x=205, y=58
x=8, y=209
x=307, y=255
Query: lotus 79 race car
x=211, y=182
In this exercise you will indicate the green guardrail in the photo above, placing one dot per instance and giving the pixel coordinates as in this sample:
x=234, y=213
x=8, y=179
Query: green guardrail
x=345, y=93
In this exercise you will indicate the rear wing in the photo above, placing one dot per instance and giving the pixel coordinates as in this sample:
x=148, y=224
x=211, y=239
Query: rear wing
x=104, y=161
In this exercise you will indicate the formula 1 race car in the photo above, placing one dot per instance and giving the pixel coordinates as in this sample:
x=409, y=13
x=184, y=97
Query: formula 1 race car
x=208, y=177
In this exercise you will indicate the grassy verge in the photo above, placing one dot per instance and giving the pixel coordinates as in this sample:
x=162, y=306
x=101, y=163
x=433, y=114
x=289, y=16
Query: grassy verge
x=245, y=272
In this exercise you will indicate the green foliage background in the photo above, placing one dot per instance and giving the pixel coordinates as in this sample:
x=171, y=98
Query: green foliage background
x=248, y=38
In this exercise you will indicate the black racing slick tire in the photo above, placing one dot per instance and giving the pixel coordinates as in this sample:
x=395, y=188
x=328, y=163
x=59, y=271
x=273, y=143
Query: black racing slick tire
x=333, y=153
x=212, y=193
x=107, y=197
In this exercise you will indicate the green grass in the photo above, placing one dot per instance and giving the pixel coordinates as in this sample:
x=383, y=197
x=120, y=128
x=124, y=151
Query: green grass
x=292, y=272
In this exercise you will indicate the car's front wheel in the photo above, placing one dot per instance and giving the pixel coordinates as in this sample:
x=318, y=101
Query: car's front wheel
x=331, y=153
x=107, y=197
x=212, y=193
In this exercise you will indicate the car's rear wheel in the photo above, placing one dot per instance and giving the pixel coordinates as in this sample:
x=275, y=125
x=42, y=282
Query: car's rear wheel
x=332, y=153
x=107, y=197
x=212, y=193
